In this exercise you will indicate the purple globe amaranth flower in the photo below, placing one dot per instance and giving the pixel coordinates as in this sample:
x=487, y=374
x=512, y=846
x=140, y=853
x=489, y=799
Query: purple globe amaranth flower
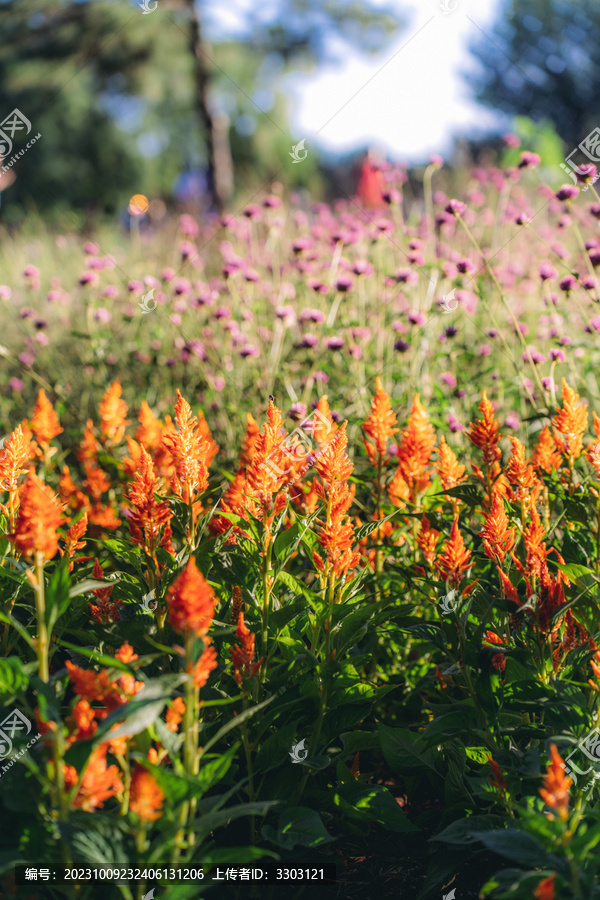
x=168, y=274
x=175, y=319
x=588, y=283
x=301, y=244
x=355, y=351
x=252, y=212
x=222, y=312
x=285, y=312
x=182, y=286
x=90, y=248
x=401, y=346
x=135, y=287
x=384, y=227
x=321, y=377
x=362, y=267
x=42, y=338
x=547, y=271
x=95, y=262
x=512, y=421
x=188, y=226
x=453, y=423
x=151, y=282
x=436, y=160
x=186, y=249
x=450, y=331
x=567, y=192
x=271, y=202
x=557, y=355
x=455, y=207
x=465, y=266
x=308, y=341
x=110, y=291
x=88, y=277
x=15, y=384
x=567, y=283
x=529, y=160
x=448, y=379
x=417, y=318
x=361, y=333
x=180, y=305
x=548, y=383
x=595, y=210
x=595, y=323
x=536, y=357
x=297, y=411
x=594, y=255
x=53, y=296
x=251, y=275
x=26, y=358
x=392, y=196
x=5, y=292
x=565, y=340
x=406, y=276
x=511, y=140
x=492, y=333
x=334, y=343
x=344, y=284
x=587, y=173
x=31, y=272
x=485, y=350
x=40, y=324
x=26, y=312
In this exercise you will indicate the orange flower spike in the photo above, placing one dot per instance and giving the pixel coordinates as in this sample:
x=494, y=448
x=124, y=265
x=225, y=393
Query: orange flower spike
x=454, y=561
x=498, y=538
x=84, y=722
x=333, y=464
x=323, y=426
x=100, y=782
x=191, y=602
x=175, y=714
x=427, y=539
x=203, y=432
x=88, y=448
x=148, y=515
x=379, y=426
x=38, y=519
x=398, y=490
x=112, y=413
x=69, y=493
x=596, y=419
x=519, y=471
x=571, y=421
x=555, y=791
x=545, y=455
x=415, y=449
x=449, y=469
x=189, y=452
x=200, y=672
x=44, y=423
x=249, y=442
x=593, y=456
x=150, y=430
x=484, y=433
x=145, y=796
x=242, y=656
x=73, y=540
x=13, y=459
x=545, y=889
x=497, y=780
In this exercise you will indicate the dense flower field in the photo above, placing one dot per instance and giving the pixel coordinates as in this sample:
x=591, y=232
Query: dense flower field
x=382, y=617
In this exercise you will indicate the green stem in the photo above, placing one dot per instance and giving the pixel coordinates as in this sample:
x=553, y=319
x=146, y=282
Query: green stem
x=40, y=606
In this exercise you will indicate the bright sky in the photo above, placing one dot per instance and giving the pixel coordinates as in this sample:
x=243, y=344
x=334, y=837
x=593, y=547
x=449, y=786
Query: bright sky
x=407, y=101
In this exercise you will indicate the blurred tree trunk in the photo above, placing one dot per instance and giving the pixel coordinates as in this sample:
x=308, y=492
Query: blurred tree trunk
x=215, y=126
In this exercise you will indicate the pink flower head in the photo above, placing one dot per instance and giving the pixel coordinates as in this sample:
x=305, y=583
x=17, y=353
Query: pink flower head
x=529, y=160
x=567, y=192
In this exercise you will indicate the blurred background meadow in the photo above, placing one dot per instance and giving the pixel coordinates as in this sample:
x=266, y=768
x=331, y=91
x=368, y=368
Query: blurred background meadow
x=274, y=181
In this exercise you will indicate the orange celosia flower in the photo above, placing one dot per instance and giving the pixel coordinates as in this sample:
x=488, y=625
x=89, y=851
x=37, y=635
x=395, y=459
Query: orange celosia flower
x=249, y=442
x=242, y=657
x=322, y=425
x=427, y=539
x=571, y=421
x=449, y=469
x=175, y=713
x=106, y=610
x=69, y=493
x=204, y=434
x=38, y=519
x=98, y=687
x=555, y=792
x=206, y=663
x=189, y=451
x=273, y=467
x=112, y=413
x=593, y=456
x=83, y=722
x=44, y=424
x=191, y=602
x=398, y=490
x=498, y=780
x=498, y=538
x=237, y=604
x=545, y=454
x=145, y=797
x=545, y=889
x=100, y=782
x=519, y=471
x=379, y=426
x=14, y=456
x=508, y=587
x=454, y=560
x=88, y=448
x=148, y=515
x=415, y=448
x=150, y=430
x=485, y=432
x=73, y=541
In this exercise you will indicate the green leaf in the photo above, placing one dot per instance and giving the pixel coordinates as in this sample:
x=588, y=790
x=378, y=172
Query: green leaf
x=142, y=710
x=516, y=845
x=13, y=676
x=462, y=831
x=403, y=749
x=88, y=584
x=368, y=529
x=372, y=803
x=298, y=825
